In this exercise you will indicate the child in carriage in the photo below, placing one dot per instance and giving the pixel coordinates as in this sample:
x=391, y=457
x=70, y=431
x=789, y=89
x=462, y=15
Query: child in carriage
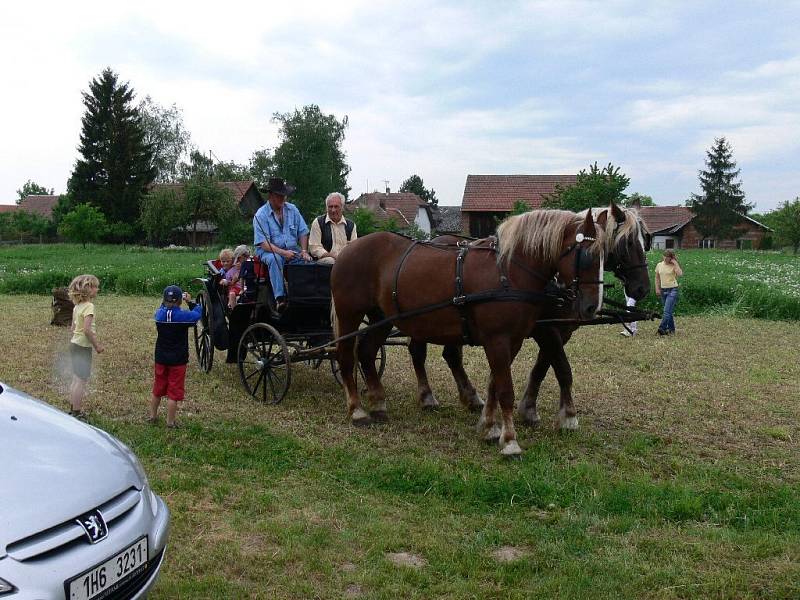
x=230, y=277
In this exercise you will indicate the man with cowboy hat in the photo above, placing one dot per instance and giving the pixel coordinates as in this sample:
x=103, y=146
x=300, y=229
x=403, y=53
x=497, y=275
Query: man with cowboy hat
x=280, y=234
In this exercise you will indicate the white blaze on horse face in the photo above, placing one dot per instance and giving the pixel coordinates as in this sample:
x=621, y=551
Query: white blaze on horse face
x=600, y=276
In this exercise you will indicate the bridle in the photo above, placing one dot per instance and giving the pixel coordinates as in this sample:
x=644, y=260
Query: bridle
x=619, y=269
x=582, y=261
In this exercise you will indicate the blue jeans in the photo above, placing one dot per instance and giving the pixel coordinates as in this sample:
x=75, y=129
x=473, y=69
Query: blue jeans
x=275, y=264
x=669, y=298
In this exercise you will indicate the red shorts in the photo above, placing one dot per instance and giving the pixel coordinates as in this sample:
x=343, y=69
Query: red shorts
x=169, y=381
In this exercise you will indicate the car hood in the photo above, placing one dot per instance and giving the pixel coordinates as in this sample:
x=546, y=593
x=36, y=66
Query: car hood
x=54, y=467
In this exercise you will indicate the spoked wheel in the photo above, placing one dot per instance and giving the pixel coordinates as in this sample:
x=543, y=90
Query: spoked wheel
x=264, y=364
x=380, y=365
x=203, y=344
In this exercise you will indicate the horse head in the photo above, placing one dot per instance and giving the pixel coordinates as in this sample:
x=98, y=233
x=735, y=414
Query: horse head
x=627, y=242
x=580, y=266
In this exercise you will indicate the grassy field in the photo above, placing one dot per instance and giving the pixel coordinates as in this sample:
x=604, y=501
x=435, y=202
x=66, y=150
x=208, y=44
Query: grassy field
x=764, y=285
x=681, y=483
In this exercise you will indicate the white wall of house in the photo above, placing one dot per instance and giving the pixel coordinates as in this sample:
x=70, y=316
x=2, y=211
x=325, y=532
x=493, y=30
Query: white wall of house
x=660, y=242
x=423, y=221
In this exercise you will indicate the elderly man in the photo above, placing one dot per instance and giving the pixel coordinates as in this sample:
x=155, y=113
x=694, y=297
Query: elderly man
x=280, y=234
x=331, y=232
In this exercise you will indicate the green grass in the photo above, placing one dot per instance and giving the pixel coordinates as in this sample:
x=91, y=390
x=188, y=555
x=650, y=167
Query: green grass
x=741, y=283
x=681, y=482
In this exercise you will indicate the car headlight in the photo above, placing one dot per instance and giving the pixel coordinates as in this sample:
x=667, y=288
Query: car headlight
x=6, y=587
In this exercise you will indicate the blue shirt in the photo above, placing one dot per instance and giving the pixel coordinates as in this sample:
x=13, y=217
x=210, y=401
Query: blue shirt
x=172, y=342
x=266, y=227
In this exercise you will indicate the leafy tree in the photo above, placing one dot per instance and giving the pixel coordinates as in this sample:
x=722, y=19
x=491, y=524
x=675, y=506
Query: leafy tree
x=199, y=165
x=520, y=207
x=23, y=225
x=166, y=137
x=208, y=201
x=31, y=188
x=643, y=200
x=721, y=201
x=115, y=167
x=262, y=167
x=84, y=224
x=786, y=222
x=310, y=156
x=231, y=171
x=163, y=211
x=365, y=221
x=415, y=185
x=597, y=187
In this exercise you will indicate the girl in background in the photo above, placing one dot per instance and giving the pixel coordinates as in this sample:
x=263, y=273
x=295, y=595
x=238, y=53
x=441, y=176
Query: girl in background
x=82, y=291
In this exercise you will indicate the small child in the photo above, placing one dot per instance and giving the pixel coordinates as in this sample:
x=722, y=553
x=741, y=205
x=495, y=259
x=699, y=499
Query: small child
x=231, y=276
x=82, y=290
x=172, y=351
x=226, y=261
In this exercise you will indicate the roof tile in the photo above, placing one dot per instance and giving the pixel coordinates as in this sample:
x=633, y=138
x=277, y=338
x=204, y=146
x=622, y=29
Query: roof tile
x=500, y=192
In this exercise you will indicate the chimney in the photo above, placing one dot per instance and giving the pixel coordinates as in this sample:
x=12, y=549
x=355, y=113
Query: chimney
x=388, y=191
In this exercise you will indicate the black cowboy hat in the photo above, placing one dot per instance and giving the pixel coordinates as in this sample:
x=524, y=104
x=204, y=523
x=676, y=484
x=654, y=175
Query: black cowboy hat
x=278, y=185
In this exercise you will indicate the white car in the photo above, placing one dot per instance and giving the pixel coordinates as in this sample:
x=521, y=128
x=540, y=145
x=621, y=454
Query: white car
x=78, y=520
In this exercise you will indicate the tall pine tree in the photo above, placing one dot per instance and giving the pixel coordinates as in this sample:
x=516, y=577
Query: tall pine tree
x=721, y=201
x=114, y=169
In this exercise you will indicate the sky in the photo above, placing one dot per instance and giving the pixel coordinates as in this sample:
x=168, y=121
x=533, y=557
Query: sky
x=438, y=89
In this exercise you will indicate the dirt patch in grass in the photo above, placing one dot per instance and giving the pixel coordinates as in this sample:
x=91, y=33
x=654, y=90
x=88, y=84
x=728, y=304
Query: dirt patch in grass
x=406, y=559
x=509, y=554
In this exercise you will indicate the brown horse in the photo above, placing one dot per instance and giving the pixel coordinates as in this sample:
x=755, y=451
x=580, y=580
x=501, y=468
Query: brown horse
x=627, y=240
x=494, y=299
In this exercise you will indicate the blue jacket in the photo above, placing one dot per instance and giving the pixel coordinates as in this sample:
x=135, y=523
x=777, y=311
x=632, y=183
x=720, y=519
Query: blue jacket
x=172, y=343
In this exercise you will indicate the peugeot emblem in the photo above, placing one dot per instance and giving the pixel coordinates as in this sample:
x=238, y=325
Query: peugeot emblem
x=94, y=526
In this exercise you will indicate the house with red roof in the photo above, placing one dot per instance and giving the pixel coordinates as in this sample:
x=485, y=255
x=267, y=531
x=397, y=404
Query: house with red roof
x=39, y=204
x=671, y=227
x=488, y=199
x=404, y=207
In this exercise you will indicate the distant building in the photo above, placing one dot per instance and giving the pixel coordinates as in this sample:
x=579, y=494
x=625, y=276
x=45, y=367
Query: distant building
x=449, y=220
x=671, y=227
x=488, y=199
x=39, y=204
x=404, y=207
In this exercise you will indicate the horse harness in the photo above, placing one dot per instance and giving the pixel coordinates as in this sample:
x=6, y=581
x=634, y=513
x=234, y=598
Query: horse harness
x=505, y=293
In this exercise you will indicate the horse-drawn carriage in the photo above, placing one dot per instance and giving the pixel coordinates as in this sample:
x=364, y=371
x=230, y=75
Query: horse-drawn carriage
x=263, y=340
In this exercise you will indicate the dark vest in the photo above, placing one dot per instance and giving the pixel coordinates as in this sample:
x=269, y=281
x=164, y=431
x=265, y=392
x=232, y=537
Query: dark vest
x=327, y=235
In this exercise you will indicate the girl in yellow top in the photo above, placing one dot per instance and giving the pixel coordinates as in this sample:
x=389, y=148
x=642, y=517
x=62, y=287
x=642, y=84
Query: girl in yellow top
x=82, y=290
x=667, y=273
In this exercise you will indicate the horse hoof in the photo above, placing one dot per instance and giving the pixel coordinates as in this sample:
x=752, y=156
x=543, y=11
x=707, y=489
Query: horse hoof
x=511, y=449
x=529, y=420
x=379, y=416
x=492, y=435
x=362, y=422
x=570, y=424
x=428, y=402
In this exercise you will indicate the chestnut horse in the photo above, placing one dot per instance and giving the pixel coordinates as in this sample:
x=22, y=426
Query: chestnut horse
x=499, y=294
x=627, y=240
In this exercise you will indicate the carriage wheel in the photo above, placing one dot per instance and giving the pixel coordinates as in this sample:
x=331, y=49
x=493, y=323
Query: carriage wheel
x=264, y=364
x=203, y=344
x=380, y=365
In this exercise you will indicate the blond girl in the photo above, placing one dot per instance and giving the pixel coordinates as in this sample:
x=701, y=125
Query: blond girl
x=82, y=291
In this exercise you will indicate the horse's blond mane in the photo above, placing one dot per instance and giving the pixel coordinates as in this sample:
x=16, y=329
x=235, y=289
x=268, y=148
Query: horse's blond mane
x=628, y=228
x=539, y=235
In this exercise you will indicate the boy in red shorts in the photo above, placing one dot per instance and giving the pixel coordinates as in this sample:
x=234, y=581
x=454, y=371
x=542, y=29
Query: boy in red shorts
x=172, y=351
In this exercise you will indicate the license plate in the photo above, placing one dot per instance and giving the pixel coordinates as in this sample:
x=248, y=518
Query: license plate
x=106, y=577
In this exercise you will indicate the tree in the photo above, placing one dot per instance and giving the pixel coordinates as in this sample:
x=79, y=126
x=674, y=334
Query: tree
x=31, y=188
x=415, y=185
x=597, y=187
x=520, y=207
x=718, y=207
x=262, y=167
x=166, y=137
x=115, y=167
x=163, y=211
x=84, y=224
x=635, y=198
x=208, y=201
x=786, y=222
x=310, y=156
